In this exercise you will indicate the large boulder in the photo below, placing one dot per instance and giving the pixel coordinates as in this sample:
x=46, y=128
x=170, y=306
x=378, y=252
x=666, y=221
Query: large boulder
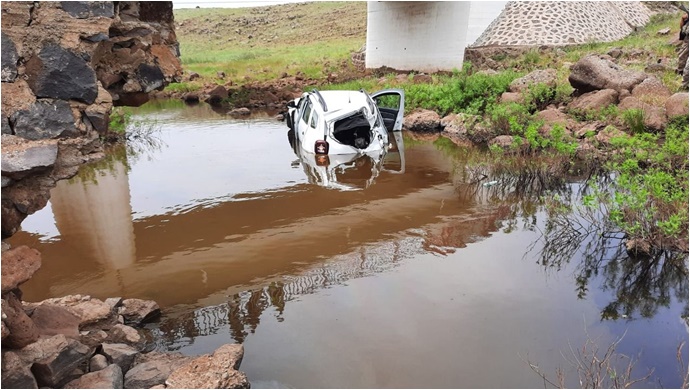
x=138, y=311
x=21, y=158
x=217, y=95
x=153, y=369
x=505, y=142
x=595, y=72
x=108, y=378
x=16, y=373
x=594, y=100
x=22, y=331
x=88, y=9
x=605, y=136
x=654, y=117
x=58, y=73
x=651, y=87
x=546, y=76
x=423, y=121
x=18, y=265
x=99, y=362
x=52, y=320
x=551, y=118
x=45, y=119
x=216, y=371
x=55, y=359
x=151, y=77
x=677, y=105
x=88, y=310
x=9, y=59
x=120, y=333
x=121, y=354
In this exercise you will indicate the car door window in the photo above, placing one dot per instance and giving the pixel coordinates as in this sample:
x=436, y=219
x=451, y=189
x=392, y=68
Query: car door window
x=306, y=112
x=314, y=120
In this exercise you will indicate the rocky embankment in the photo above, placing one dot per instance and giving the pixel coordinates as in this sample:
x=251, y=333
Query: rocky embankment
x=598, y=82
x=64, y=66
x=79, y=342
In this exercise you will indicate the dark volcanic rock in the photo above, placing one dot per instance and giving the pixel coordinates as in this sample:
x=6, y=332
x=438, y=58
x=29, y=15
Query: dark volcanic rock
x=44, y=119
x=18, y=265
x=27, y=157
x=121, y=354
x=88, y=9
x=9, y=59
x=150, y=77
x=58, y=73
x=16, y=373
x=58, y=357
x=6, y=129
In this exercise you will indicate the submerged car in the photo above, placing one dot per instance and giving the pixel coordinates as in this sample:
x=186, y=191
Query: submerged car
x=345, y=122
x=348, y=172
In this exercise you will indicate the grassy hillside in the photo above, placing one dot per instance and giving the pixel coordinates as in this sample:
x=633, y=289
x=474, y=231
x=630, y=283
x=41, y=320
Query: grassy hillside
x=262, y=43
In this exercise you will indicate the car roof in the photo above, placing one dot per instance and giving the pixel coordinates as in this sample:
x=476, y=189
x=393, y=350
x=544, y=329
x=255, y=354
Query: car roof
x=343, y=100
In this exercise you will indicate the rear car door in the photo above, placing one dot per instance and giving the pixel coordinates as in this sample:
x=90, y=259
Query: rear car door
x=391, y=104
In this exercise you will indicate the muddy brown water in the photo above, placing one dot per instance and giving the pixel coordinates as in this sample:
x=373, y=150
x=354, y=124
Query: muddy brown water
x=414, y=278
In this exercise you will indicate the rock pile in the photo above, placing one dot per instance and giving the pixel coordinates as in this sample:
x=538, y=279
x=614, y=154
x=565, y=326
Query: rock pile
x=80, y=342
x=598, y=82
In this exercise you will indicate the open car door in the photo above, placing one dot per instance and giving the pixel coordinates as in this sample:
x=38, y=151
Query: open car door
x=391, y=104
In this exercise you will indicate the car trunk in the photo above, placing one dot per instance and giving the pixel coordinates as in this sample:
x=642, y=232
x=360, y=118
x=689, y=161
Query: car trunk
x=353, y=130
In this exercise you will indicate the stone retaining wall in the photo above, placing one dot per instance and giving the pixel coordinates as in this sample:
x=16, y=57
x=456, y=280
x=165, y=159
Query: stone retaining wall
x=558, y=23
x=64, y=66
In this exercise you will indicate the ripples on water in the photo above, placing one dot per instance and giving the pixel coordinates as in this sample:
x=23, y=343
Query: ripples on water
x=401, y=270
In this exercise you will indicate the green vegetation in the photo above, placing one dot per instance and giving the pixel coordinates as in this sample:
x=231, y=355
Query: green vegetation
x=262, y=43
x=649, y=198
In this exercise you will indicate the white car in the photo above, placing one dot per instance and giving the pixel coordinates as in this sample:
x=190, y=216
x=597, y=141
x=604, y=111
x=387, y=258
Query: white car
x=345, y=122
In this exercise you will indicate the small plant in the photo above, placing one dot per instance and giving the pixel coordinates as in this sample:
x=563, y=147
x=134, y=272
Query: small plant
x=539, y=96
x=634, y=120
x=119, y=119
x=596, y=368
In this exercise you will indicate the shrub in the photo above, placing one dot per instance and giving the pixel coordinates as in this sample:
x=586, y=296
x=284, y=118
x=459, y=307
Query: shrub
x=634, y=120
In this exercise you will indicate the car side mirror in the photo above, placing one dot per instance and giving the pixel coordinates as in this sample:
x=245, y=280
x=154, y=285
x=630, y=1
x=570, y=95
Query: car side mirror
x=291, y=104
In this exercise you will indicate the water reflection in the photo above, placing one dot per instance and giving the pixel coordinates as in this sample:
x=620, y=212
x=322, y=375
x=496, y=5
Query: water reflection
x=350, y=171
x=94, y=210
x=640, y=285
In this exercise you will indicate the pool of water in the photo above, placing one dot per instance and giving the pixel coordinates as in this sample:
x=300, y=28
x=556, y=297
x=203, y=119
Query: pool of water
x=384, y=271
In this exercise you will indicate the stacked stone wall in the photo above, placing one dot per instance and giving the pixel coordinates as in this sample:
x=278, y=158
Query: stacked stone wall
x=559, y=23
x=64, y=66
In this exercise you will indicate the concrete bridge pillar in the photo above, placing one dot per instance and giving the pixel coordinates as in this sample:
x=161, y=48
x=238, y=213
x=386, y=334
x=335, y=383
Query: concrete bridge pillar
x=417, y=35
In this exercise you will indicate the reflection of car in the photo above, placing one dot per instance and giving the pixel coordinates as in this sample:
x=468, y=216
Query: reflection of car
x=350, y=171
x=345, y=122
